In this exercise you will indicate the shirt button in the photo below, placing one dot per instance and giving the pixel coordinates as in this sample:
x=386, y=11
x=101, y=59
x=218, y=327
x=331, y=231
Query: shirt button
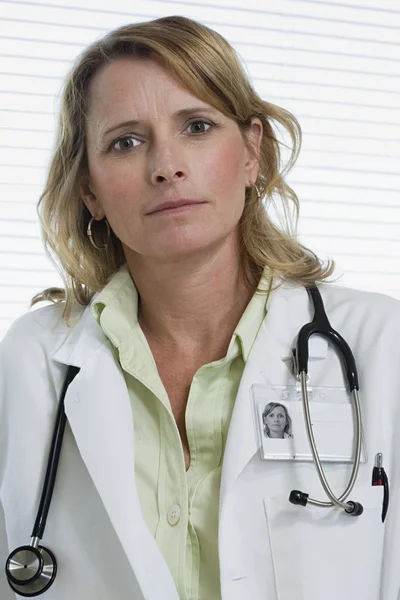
x=174, y=514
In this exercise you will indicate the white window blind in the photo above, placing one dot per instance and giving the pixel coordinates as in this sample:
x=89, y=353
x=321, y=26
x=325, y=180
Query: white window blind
x=335, y=65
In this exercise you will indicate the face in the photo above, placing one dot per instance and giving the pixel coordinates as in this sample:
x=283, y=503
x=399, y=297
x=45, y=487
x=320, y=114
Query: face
x=164, y=156
x=276, y=420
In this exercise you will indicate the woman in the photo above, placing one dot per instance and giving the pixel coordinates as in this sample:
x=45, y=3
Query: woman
x=180, y=294
x=277, y=421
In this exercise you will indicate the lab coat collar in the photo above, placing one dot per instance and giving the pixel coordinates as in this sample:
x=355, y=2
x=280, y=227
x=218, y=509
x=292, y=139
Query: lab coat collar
x=84, y=339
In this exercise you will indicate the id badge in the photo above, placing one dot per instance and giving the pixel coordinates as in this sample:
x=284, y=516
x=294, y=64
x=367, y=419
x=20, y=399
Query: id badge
x=280, y=425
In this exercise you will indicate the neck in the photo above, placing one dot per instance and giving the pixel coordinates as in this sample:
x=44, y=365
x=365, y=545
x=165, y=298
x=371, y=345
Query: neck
x=191, y=305
x=273, y=434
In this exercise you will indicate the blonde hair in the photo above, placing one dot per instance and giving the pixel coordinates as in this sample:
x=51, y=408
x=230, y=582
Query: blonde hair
x=207, y=66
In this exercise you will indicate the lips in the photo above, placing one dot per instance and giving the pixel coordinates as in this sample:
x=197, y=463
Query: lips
x=174, y=204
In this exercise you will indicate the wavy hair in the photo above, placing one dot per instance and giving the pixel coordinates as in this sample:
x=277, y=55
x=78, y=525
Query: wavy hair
x=269, y=408
x=207, y=66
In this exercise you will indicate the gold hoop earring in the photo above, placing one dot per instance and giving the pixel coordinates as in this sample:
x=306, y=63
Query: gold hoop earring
x=89, y=233
x=257, y=190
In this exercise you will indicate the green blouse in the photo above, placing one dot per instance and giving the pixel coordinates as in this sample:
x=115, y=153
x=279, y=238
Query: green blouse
x=180, y=507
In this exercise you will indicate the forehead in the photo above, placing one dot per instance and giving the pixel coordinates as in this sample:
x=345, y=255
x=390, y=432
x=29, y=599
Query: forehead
x=142, y=86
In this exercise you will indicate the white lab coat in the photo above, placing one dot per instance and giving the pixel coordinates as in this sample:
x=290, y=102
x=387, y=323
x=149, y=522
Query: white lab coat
x=269, y=549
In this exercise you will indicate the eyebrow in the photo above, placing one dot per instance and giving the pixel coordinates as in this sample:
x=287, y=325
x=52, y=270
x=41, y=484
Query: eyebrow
x=185, y=112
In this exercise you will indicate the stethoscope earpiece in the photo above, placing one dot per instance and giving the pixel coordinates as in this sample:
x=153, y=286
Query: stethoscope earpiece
x=298, y=498
x=31, y=571
x=354, y=509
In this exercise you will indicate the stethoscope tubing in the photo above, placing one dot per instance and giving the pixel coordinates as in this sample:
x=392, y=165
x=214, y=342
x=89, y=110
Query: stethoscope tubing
x=321, y=326
x=339, y=502
x=52, y=465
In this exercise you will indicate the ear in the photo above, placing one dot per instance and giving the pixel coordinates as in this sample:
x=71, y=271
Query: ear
x=90, y=199
x=254, y=137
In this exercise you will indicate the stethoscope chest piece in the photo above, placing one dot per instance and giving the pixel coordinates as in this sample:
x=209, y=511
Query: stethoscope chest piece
x=31, y=571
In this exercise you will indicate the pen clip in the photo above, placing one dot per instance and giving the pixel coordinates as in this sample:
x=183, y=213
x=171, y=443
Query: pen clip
x=379, y=478
x=385, y=504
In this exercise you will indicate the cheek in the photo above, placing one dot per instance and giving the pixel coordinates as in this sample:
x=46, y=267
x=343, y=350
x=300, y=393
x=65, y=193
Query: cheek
x=118, y=191
x=224, y=170
x=110, y=183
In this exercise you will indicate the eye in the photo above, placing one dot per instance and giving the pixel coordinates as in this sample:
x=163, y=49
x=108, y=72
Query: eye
x=200, y=121
x=125, y=143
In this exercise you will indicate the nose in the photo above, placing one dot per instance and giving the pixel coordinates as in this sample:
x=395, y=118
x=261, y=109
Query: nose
x=167, y=162
x=166, y=175
x=169, y=178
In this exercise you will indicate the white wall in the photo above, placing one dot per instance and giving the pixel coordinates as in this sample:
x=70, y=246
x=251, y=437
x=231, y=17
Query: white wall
x=336, y=66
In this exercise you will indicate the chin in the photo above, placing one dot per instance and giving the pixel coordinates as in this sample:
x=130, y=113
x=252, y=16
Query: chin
x=186, y=248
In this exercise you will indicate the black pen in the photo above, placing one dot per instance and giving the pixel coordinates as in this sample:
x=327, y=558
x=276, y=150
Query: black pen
x=379, y=477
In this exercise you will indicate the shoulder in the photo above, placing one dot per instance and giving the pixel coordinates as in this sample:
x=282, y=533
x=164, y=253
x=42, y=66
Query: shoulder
x=345, y=307
x=353, y=298
x=368, y=321
x=361, y=310
x=343, y=301
x=40, y=329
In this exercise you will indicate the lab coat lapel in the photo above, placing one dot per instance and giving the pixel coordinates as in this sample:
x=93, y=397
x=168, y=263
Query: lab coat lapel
x=288, y=309
x=97, y=406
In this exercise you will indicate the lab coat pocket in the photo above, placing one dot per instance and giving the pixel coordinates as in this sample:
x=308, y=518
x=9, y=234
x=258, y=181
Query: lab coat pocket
x=323, y=552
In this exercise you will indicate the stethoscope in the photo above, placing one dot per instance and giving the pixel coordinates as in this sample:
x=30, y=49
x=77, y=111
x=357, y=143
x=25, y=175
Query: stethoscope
x=320, y=325
x=31, y=570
